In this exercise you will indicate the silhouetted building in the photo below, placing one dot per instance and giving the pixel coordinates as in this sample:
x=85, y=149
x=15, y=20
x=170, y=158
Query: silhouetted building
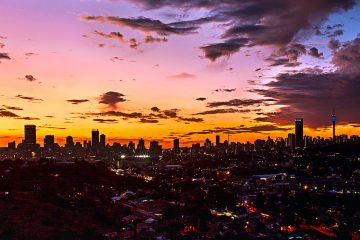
x=299, y=133
x=155, y=148
x=141, y=146
x=102, y=141
x=333, y=118
x=290, y=142
x=49, y=141
x=30, y=134
x=176, y=145
x=12, y=145
x=95, y=140
x=69, y=142
x=217, y=140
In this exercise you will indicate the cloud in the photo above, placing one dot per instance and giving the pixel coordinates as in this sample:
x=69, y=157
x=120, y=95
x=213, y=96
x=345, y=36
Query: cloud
x=155, y=109
x=287, y=55
x=183, y=75
x=29, y=118
x=151, y=39
x=12, y=108
x=133, y=43
x=117, y=114
x=200, y=99
x=112, y=35
x=148, y=120
x=30, y=78
x=47, y=126
x=111, y=99
x=151, y=25
x=4, y=56
x=222, y=111
x=29, y=99
x=225, y=90
x=313, y=94
x=190, y=119
x=172, y=113
x=315, y=53
x=101, y=120
x=216, y=50
x=77, y=101
x=238, y=103
x=5, y=113
x=334, y=44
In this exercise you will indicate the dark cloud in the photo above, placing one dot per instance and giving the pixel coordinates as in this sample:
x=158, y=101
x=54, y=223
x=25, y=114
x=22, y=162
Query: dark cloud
x=190, y=119
x=12, y=108
x=183, y=75
x=151, y=39
x=287, y=55
x=314, y=52
x=112, y=35
x=77, y=101
x=2, y=45
x=4, y=56
x=118, y=114
x=201, y=99
x=29, y=118
x=101, y=120
x=148, y=120
x=222, y=111
x=172, y=113
x=155, y=109
x=151, y=25
x=112, y=98
x=5, y=113
x=225, y=90
x=30, y=99
x=47, y=126
x=313, y=94
x=239, y=103
x=133, y=43
x=334, y=44
x=30, y=78
x=216, y=50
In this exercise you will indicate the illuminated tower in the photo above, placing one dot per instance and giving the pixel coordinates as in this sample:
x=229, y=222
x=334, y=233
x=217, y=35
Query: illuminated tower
x=333, y=118
x=299, y=133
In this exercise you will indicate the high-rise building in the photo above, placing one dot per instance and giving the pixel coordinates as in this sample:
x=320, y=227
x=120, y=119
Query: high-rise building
x=333, y=119
x=176, y=145
x=30, y=134
x=155, y=148
x=217, y=140
x=299, y=133
x=95, y=139
x=69, y=142
x=102, y=141
x=291, y=141
x=49, y=141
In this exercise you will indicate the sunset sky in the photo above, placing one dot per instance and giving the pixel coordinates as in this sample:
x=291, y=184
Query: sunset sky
x=164, y=69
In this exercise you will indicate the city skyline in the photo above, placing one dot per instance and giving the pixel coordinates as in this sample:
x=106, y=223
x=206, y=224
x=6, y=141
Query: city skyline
x=185, y=70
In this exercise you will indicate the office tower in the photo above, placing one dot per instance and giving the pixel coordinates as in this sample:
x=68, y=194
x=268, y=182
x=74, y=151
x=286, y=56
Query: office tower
x=95, y=139
x=69, y=142
x=217, y=140
x=30, y=134
x=207, y=143
x=49, y=141
x=333, y=118
x=141, y=144
x=299, y=133
x=155, y=148
x=176, y=145
x=12, y=145
x=102, y=141
x=291, y=141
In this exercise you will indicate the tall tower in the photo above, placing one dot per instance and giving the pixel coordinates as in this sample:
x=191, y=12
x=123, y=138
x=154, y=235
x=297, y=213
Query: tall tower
x=30, y=134
x=333, y=118
x=299, y=133
x=95, y=139
x=176, y=145
x=217, y=140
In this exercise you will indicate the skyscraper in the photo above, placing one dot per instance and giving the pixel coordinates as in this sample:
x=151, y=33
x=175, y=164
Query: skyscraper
x=69, y=142
x=30, y=134
x=102, y=141
x=291, y=141
x=217, y=140
x=176, y=145
x=49, y=141
x=95, y=139
x=333, y=118
x=299, y=133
